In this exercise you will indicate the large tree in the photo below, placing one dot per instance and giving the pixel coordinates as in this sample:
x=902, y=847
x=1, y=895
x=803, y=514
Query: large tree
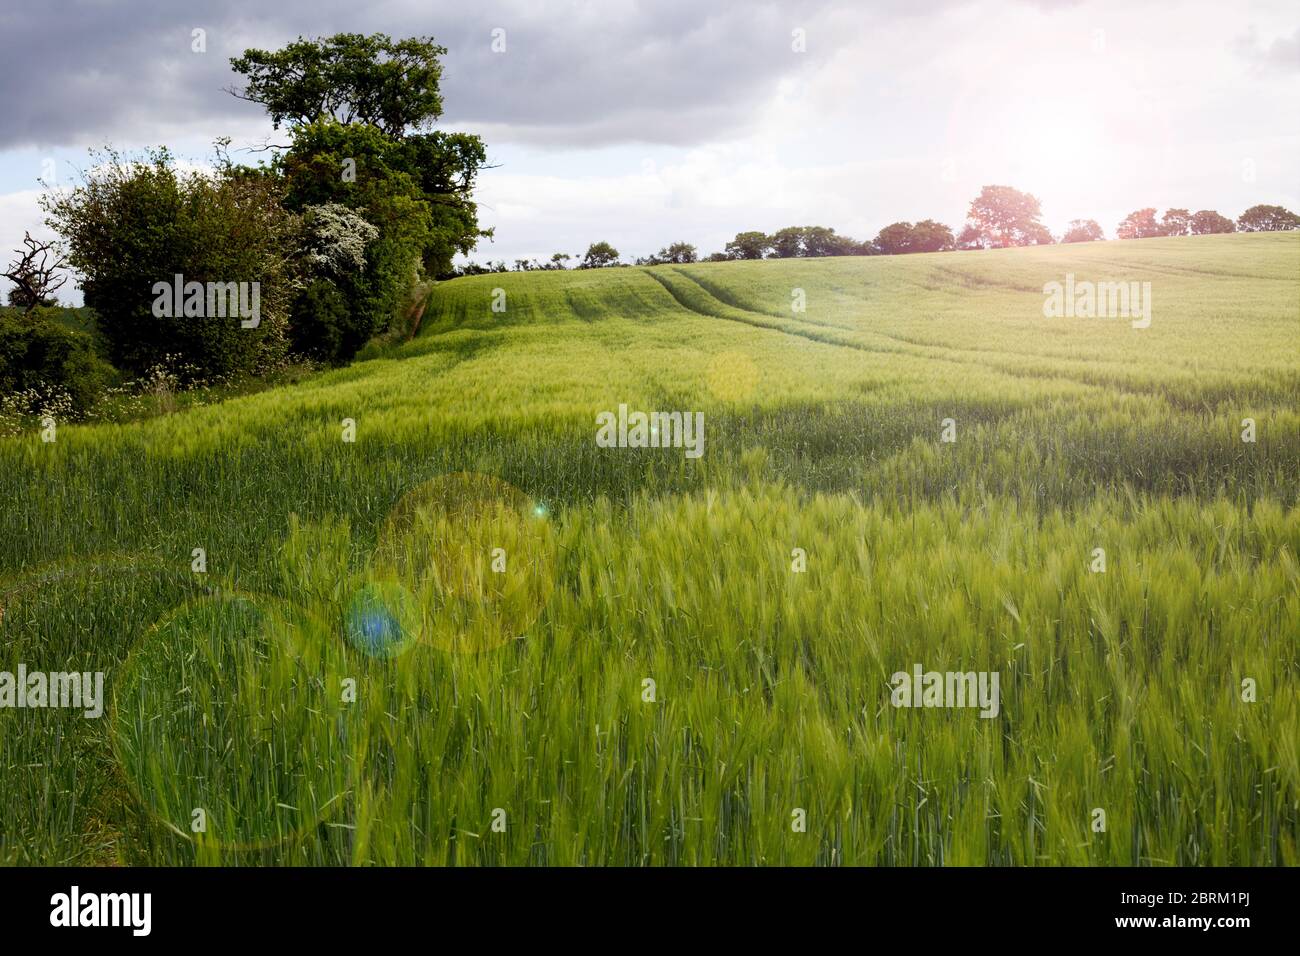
x=355, y=104
x=357, y=107
x=1001, y=216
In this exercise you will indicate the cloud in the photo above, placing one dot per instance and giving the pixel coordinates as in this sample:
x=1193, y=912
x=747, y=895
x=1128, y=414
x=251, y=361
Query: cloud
x=1281, y=55
x=81, y=72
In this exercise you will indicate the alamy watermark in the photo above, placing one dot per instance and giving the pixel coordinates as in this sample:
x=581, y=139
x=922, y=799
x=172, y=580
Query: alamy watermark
x=211, y=300
x=66, y=689
x=923, y=688
x=130, y=910
x=651, y=430
x=1100, y=300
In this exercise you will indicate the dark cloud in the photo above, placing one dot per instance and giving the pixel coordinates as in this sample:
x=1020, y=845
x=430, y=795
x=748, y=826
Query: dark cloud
x=81, y=72
x=673, y=72
x=77, y=73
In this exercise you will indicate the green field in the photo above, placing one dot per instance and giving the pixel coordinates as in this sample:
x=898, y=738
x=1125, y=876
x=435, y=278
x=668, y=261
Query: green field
x=524, y=691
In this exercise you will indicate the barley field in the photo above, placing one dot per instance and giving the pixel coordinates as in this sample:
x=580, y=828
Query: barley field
x=474, y=636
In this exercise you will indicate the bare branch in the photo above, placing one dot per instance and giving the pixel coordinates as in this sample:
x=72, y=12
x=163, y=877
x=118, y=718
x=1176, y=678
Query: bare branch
x=34, y=275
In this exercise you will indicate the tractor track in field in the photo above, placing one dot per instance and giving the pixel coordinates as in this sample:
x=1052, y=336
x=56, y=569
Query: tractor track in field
x=758, y=320
x=1007, y=363
x=932, y=349
x=717, y=293
x=914, y=350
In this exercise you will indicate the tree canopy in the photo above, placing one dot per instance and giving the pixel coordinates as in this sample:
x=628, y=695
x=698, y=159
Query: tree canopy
x=1083, y=230
x=749, y=245
x=358, y=107
x=1140, y=224
x=1267, y=219
x=902, y=237
x=599, y=255
x=351, y=77
x=1208, y=222
x=1176, y=222
x=1001, y=216
x=811, y=242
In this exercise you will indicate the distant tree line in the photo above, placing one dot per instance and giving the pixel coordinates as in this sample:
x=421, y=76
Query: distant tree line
x=1142, y=224
x=999, y=217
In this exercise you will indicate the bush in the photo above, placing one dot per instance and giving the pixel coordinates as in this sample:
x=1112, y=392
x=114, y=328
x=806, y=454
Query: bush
x=320, y=324
x=391, y=271
x=356, y=280
x=132, y=225
x=398, y=218
x=40, y=356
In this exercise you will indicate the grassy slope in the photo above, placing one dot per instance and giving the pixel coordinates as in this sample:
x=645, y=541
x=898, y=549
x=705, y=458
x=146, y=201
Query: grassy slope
x=1120, y=690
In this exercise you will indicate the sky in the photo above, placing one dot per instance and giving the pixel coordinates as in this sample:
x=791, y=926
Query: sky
x=643, y=123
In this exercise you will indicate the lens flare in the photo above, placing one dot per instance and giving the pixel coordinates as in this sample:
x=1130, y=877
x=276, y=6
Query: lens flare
x=382, y=619
x=477, y=553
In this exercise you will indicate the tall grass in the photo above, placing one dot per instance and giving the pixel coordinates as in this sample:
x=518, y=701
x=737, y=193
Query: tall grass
x=519, y=697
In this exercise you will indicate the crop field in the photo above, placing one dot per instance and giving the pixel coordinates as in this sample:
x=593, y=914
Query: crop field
x=413, y=612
